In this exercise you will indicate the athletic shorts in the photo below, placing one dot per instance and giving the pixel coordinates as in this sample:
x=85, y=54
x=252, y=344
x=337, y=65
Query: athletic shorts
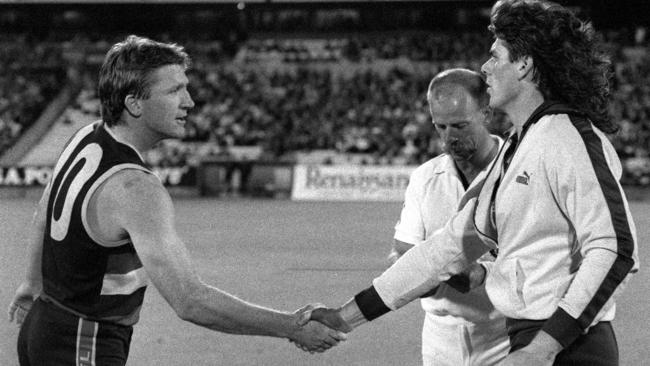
x=51, y=336
x=598, y=347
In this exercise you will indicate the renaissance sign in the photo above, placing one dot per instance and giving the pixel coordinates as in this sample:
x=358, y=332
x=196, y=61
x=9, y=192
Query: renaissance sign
x=350, y=182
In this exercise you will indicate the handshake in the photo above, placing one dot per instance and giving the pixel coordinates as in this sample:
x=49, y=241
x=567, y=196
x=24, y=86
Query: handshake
x=319, y=328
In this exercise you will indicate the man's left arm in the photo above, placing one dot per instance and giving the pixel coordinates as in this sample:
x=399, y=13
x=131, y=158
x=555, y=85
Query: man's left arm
x=588, y=191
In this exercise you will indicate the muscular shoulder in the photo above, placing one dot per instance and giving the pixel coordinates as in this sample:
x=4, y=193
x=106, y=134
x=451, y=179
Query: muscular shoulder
x=132, y=182
x=133, y=191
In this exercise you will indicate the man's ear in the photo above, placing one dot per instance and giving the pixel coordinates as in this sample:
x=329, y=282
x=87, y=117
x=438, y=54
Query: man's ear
x=525, y=67
x=133, y=106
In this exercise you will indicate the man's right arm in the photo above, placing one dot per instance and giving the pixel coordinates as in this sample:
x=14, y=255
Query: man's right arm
x=33, y=282
x=142, y=207
x=410, y=228
x=448, y=252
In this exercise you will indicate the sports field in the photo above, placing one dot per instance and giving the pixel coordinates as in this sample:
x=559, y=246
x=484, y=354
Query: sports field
x=286, y=254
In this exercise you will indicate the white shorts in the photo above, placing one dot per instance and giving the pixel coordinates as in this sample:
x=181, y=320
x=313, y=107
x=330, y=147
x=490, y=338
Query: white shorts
x=453, y=341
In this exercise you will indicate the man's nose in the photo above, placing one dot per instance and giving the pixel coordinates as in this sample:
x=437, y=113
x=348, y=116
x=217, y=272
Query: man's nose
x=449, y=136
x=451, y=140
x=484, y=67
x=188, y=102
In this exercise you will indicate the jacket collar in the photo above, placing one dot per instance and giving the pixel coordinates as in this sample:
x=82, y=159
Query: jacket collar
x=546, y=108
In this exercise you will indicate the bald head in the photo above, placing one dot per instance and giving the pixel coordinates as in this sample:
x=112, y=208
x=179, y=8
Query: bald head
x=459, y=106
x=452, y=88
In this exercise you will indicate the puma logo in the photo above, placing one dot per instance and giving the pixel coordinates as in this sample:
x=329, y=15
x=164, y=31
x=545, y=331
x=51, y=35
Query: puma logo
x=523, y=178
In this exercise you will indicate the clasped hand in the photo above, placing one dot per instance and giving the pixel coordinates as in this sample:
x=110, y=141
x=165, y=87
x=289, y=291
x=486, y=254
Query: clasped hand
x=314, y=336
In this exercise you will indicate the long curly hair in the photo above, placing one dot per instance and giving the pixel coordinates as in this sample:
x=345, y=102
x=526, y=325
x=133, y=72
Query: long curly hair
x=569, y=65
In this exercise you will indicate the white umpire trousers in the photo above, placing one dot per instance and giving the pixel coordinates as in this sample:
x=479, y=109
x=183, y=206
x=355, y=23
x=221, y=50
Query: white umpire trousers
x=453, y=341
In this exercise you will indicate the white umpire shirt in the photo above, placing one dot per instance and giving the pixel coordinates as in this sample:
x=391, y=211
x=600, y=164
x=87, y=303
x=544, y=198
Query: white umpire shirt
x=431, y=199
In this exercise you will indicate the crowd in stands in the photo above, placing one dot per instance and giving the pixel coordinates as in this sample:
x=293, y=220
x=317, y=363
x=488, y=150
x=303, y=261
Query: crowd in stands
x=307, y=109
x=414, y=46
x=631, y=109
x=465, y=47
x=293, y=95
x=32, y=74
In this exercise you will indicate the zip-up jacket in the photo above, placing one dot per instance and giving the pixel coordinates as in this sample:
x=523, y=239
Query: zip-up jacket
x=559, y=219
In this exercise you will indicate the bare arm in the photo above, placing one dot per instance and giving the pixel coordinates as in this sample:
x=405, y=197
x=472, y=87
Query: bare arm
x=139, y=204
x=32, y=285
x=35, y=242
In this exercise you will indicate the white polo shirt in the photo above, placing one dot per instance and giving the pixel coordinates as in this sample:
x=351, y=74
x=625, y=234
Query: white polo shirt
x=431, y=199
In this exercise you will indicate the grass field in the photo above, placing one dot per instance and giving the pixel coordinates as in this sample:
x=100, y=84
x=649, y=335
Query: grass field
x=285, y=254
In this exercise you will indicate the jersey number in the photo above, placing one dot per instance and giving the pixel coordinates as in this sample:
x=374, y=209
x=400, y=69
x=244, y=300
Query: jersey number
x=82, y=168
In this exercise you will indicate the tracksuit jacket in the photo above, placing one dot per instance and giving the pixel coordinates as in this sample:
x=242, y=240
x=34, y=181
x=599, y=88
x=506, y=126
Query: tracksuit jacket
x=559, y=219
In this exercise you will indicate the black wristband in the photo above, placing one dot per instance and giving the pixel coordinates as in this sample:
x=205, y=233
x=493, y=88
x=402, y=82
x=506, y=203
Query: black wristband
x=371, y=304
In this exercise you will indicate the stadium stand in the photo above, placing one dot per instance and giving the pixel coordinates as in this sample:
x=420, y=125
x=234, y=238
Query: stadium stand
x=346, y=97
x=33, y=74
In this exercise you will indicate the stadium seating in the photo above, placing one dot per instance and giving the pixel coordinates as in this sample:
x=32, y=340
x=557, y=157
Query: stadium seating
x=359, y=95
x=32, y=75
